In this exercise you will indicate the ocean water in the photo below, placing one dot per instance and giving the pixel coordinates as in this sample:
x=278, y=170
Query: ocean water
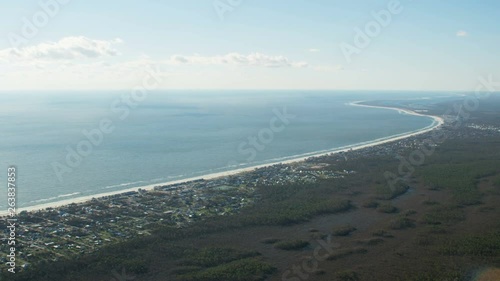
x=175, y=134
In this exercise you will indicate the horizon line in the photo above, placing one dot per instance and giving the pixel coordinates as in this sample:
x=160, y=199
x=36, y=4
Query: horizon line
x=241, y=89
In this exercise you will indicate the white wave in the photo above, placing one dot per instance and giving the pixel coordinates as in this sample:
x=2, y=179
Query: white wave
x=55, y=197
x=121, y=184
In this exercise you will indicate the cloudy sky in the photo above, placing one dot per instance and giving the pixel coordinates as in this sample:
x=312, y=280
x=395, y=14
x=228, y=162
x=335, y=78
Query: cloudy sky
x=249, y=44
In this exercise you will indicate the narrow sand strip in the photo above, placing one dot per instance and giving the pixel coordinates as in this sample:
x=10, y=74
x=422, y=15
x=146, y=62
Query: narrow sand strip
x=438, y=121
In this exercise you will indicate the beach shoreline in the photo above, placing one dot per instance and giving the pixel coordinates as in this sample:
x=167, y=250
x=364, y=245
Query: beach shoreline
x=437, y=122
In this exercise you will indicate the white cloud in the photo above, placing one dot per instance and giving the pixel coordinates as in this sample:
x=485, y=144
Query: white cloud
x=254, y=59
x=462, y=33
x=328, y=68
x=68, y=48
x=84, y=63
x=312, y=50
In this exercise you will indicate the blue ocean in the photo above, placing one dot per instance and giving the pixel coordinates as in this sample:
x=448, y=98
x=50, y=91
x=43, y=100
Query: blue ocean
x=70, y=144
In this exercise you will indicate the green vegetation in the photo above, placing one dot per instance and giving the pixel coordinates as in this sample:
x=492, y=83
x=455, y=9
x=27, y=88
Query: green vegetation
x=318, y=235
x=442, y=274
x=496, y=181
x=409, y=212
x=285, y=213
x=430, y=202
x=343, y=230
x=270, y=240
x=346, y=252
x=371, y=203
x=401, y=222
x=385, y=192
x=370, y=241
x=460, y=178
x=214, y=263
x=185, y=269
x=423, y=239
x=436, y=229
x=319, y=272
x=208, y=257
x=382, y=233
x=240, y=270
x=484, y=245
x=448, y=214
x=286, y=205
x=291, y=245
x=387, y=208
x=486, y=209
x=347, y=275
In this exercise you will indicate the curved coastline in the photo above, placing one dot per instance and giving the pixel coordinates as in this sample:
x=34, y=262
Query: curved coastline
x=437, y=122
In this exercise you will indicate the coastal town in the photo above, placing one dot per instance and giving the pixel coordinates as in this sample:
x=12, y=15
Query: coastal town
x=82, y=228
x=77, y=229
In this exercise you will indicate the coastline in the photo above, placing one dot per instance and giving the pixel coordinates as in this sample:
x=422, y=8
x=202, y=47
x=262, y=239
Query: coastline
x=437, y=122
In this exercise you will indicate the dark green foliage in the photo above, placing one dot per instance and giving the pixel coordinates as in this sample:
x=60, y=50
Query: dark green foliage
x=346, y=252
x=135, y=266
x=409, y=212
x=436, y=229
x=221, y=264
x=286, y=212
x=208, y=257
x=370, y=241
x=29, y=219
x=347, y=275
x=185, y=269
x=371, y=203
x=401, y=222
x=438, y=275
x=319, y=272
x=291, y=245
x=486, y=209
x=382, y=233
x=77, y=222
x=460, y=178
x=343, y=230
x=485, y=245
x=270, y=240
x=459, y=165
x=430, y=202
x=386, y=192
x=318, y=235
x=423, y=239
x=444, y=215
x=249, y=269
x=387, y=208
x=496, y=181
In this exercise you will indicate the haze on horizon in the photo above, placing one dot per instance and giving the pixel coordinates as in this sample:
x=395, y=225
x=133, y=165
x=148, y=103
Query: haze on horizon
x=258, y=44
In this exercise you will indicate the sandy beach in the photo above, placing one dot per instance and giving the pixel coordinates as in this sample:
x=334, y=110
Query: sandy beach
x=438, y=121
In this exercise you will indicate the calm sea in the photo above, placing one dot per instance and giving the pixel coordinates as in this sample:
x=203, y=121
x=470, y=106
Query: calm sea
x=72, y=144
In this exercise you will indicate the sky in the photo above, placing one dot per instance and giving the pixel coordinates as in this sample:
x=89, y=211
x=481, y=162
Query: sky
x=248, y=44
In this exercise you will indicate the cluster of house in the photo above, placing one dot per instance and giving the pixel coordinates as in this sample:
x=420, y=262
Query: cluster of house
x=483, y=127
x=82, y=228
